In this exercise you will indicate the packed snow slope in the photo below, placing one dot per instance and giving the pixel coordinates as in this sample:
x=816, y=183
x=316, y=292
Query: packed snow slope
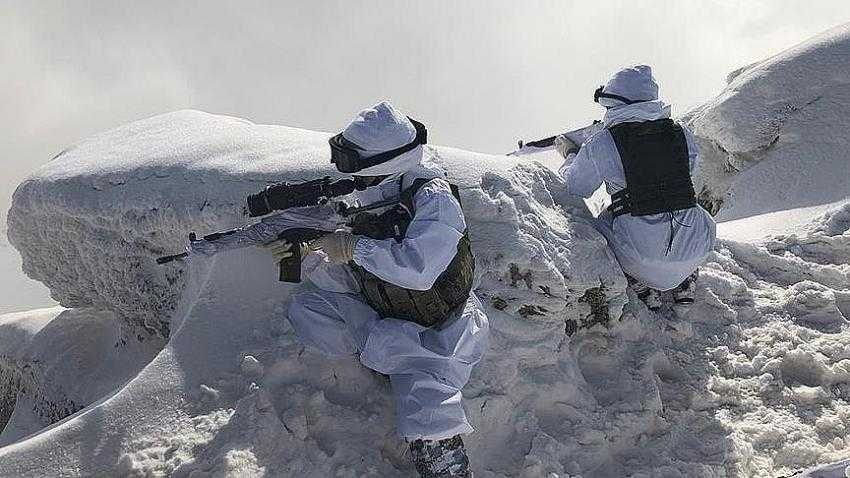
x=776, y=138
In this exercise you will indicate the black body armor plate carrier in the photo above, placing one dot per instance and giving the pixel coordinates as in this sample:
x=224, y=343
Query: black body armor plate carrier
x=425, y=307
x=655, y=162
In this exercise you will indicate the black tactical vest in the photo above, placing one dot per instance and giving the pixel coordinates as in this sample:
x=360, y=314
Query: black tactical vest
x=655, y=162
x=424, y=307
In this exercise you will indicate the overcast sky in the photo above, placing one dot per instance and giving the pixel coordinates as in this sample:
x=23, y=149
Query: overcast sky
x=480, y=74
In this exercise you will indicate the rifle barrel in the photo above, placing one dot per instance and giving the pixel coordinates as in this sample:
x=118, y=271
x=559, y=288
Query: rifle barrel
x=171, y=258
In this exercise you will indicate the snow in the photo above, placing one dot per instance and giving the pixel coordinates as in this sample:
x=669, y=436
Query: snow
x=776, y=137
x=754, y=380
x=789, y=221
x=833, y=470
x=61, y=360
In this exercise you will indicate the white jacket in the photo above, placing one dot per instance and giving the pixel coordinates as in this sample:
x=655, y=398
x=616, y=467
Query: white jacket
x=428, y=367
x=428, y=247
x=641, y=243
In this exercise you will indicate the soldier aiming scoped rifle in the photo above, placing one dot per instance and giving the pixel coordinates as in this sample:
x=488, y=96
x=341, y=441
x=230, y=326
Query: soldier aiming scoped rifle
x=308, y=213
x=393, y=286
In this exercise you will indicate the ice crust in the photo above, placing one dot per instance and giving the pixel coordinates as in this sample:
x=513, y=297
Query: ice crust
x=753, y=381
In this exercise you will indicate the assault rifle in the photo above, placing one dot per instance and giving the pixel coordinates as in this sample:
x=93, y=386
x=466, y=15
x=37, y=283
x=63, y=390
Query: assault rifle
x=289, y=268
x=280, y=197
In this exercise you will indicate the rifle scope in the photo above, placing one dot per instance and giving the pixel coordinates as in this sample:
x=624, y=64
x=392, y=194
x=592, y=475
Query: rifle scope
x=282, y=196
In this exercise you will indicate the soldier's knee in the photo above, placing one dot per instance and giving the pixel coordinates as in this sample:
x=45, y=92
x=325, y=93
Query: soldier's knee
x=306, y=303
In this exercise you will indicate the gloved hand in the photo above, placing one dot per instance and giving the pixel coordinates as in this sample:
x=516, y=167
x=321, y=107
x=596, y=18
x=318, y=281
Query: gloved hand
x=565, y=146
x=282, y=249
x=338, y=246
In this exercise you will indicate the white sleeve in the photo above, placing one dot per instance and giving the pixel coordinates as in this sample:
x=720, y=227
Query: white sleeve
x=693, y=150
x=268, y=229
x=581, y=173
x=327, y=276
x=428, y=247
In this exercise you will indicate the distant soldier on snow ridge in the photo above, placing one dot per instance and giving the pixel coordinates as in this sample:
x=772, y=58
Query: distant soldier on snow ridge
x=395, y=291
x=656, y=229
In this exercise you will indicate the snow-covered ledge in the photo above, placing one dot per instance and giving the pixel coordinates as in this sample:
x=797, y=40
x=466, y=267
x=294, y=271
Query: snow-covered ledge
x=770, y=140
x=90, y=223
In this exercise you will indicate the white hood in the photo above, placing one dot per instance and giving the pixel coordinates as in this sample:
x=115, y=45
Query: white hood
x=382, y=128
x=635, y=83
x=643, y=111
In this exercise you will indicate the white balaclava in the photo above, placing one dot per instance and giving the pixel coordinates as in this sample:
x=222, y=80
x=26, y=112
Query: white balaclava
x=635, y=83
x=381, y=128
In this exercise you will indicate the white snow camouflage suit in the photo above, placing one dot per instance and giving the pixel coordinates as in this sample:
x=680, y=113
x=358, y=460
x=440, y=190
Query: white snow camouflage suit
x=640, y=243
x=427, y=367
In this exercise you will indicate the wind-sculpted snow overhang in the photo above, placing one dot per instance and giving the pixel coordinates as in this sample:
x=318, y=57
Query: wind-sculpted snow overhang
x=789, y=110
x=90, y=223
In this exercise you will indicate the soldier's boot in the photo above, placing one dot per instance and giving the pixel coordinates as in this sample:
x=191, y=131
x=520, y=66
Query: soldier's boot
x=649, y=296
x=683, y=295
x=441, y=458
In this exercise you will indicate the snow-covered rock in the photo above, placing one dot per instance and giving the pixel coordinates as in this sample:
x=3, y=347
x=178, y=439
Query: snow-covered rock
x=91, y=222
x=776, y=138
